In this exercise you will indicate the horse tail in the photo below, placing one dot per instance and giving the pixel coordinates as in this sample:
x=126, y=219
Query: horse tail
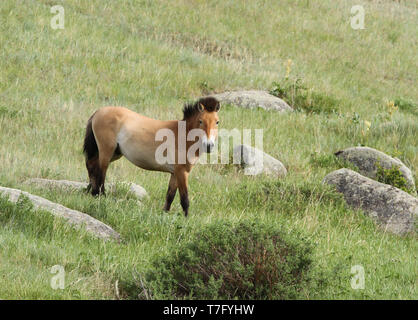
x=90, y=148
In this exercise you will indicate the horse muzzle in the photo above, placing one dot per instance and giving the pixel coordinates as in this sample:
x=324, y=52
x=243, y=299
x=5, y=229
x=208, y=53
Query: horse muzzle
x=208, y=146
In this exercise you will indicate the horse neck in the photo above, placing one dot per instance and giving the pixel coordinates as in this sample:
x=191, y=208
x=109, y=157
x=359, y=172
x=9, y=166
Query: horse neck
x=190, y=124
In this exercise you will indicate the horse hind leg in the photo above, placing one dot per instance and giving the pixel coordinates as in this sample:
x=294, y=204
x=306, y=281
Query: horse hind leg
x=97, y=168
x=93, y=170
x=91, y=153
x=101, y=165
x=100, y=148
x=117, y=154
x=108, y=152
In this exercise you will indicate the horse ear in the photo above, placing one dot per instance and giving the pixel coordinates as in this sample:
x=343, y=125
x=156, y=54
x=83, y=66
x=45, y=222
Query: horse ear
x=218, y=106
x=200, y=107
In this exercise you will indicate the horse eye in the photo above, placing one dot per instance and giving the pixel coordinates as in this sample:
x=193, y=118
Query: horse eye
x=200, y=121
x=217, y=122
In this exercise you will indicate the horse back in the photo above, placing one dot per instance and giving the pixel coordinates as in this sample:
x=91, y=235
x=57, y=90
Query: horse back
x=130, y=134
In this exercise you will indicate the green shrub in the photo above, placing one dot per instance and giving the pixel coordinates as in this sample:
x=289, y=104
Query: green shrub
x=246, y=260
x=297, y=95
x=392, y=176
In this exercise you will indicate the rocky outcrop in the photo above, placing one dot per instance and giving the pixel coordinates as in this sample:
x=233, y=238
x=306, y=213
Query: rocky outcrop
x=393, y=209
x=253, y=99
x=255, y=161
x=366, y=160
x=73, y=217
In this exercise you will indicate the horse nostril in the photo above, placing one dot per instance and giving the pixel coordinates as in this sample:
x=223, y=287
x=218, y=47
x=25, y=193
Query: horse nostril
x=209, y=147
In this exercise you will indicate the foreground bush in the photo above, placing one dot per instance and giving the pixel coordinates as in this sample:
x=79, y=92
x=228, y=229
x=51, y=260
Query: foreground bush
x=246, y=260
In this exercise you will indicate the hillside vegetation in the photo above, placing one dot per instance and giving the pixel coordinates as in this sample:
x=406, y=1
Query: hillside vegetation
x=152, y=57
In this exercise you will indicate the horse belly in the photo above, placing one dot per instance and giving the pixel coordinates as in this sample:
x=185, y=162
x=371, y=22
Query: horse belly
x=147, y=163
x=141, y=153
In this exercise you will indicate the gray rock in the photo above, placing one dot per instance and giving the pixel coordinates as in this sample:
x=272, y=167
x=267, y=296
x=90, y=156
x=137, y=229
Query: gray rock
x=134, y=189
x=393, y=209
x=74, y=217
x=252, y=99
x=256, y=161
x=137, y=191
x=365, y=159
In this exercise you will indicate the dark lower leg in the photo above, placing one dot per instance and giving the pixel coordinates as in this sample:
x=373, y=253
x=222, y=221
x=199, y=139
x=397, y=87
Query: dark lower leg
x=171, y=193
x=97, y=177
x=93, y=170
x=169, y=198
x=96, y=187
x=184, y=201
x=182, y=177
x=101, y=180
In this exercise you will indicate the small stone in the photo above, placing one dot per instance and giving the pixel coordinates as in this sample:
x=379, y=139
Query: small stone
x=256, y=161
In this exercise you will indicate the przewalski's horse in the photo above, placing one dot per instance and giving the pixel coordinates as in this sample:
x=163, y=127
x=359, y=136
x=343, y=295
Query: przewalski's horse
x=113, y=132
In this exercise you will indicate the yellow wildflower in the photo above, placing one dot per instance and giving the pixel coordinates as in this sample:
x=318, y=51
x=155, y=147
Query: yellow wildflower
x=288, y=67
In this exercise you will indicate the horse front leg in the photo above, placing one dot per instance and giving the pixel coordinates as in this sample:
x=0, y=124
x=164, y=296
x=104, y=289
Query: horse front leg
x=182, y=177
x=171, y=192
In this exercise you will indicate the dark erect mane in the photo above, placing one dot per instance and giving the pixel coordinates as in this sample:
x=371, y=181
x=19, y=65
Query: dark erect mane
x=211, y=104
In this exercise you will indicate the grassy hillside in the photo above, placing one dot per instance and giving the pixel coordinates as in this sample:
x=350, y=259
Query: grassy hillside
x=152, y=56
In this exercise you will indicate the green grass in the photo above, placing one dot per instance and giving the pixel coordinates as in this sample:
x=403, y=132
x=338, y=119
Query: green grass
x=152, y=56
